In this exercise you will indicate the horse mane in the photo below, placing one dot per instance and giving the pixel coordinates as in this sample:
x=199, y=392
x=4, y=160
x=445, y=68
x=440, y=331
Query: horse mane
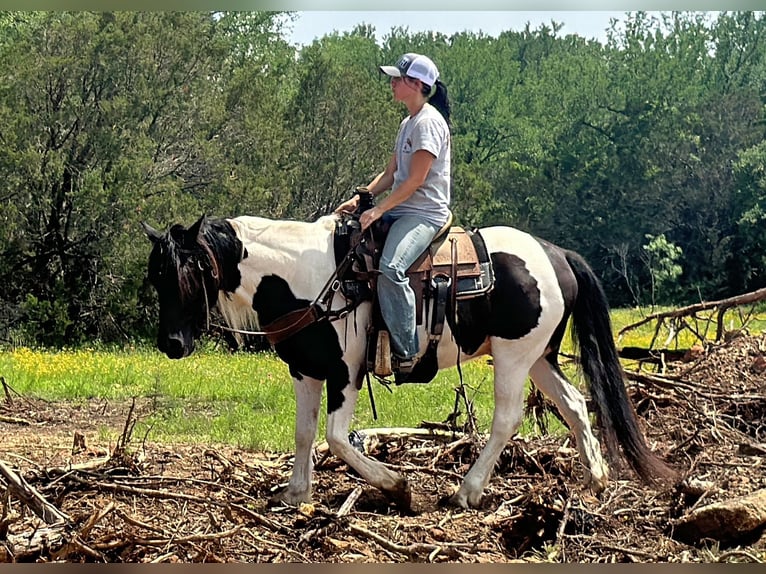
x=191, y=261
x=174, y=257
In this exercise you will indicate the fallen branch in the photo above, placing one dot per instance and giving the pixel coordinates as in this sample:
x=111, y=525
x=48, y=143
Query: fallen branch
x=77, y=541
x=282, y=547
x=170, y=495
x=452, y=447
x=15, y=421
x=721, y=305
x=452, y=549
x=630, y=551
x=95, y=518
x=348, y=504
x=7, y=390
x=167, y=495
x=390, y=433
x=31, y=498
x=738, y=553
x=139, y=524
x=191, y=538
x=89, y=465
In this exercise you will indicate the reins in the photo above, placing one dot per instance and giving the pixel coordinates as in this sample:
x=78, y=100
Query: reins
x=313, y=313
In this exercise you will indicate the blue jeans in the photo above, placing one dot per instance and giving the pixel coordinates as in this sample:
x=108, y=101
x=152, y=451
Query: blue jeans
x=407, y=239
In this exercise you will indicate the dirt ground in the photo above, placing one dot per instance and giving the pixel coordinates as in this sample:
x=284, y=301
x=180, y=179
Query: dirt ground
x=139, y=501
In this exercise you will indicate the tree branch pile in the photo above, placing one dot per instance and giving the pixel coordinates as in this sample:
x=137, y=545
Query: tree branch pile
x=147, y=502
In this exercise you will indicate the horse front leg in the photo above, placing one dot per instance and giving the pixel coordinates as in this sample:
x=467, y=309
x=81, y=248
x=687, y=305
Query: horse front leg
x=308, y=395
x=341, y=401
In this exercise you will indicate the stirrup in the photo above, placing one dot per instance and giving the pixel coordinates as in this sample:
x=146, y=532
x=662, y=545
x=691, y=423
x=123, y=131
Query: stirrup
x=403, y=366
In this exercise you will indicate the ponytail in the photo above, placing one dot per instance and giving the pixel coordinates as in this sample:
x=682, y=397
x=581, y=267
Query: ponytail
x=440, y=100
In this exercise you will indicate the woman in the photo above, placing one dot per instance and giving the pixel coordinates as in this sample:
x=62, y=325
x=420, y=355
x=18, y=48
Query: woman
x=418, y=175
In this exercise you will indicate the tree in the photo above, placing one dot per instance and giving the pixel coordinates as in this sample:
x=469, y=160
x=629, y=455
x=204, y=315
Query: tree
x=661, y=258
x=103, y=126
x=342, y=122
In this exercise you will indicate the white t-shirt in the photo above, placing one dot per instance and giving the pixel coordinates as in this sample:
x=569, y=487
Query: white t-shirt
x=429, y=131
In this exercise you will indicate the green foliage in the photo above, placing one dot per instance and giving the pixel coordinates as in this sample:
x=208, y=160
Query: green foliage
x=662, y=261
x=48, y=321
x=112, y=118
x=749, y=266
x=109, y=119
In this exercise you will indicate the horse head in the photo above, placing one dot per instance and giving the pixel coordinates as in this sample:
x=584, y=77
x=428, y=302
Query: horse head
x=184, y=272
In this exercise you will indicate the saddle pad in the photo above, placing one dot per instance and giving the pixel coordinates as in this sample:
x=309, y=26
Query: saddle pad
x=440, y=255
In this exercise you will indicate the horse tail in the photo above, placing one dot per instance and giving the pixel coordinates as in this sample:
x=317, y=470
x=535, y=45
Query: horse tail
x=600, y=366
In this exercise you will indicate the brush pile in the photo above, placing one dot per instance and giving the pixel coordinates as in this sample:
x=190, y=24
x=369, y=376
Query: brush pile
x=66, y=498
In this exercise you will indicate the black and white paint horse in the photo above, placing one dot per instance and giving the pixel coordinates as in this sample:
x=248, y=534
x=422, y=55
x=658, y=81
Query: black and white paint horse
x=257, y=270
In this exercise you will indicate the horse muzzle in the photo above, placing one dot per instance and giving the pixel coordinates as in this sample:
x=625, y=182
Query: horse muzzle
x=175, y=346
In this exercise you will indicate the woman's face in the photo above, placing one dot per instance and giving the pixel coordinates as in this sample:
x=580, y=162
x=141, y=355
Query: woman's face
x=404, y=87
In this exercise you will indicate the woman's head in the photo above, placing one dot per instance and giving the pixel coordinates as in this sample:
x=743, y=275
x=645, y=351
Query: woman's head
x=418, y=72
x=415, y=67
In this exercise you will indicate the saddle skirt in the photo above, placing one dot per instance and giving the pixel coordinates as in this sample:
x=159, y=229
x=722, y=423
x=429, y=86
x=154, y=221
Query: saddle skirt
x=457, y=256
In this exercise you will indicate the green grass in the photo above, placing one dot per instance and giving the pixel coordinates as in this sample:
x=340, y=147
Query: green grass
x=247, y=399
x=216, y=397
x=704, y=324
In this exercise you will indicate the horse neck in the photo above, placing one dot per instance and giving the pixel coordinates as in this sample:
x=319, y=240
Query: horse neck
x=300, y=253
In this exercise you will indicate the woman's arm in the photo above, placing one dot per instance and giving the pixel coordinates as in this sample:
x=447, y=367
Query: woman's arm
x=419, y=167
x=380, y=183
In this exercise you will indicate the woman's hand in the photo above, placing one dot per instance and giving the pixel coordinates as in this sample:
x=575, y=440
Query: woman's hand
x=348, y=206
x=369, y=217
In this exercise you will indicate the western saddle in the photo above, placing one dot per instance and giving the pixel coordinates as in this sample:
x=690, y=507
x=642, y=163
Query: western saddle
x=455, y=267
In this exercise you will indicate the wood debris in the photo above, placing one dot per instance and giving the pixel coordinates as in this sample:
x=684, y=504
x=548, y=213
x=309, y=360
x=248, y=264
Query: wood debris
x=140, y=501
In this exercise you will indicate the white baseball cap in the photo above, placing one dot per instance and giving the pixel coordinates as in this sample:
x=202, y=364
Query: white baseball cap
x=415, y=66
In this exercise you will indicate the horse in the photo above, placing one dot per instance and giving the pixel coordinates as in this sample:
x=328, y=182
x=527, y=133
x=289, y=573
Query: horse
x=257, y=271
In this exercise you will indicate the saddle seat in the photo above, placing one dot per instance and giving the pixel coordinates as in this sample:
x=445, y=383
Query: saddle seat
x=452, y=256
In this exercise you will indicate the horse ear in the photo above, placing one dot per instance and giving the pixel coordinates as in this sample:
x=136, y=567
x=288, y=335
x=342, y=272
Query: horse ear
x=195, y=231
x=153, y=235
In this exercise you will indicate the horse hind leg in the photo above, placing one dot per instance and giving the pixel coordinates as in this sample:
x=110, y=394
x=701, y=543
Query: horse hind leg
x=511, y=369
x=547, y=376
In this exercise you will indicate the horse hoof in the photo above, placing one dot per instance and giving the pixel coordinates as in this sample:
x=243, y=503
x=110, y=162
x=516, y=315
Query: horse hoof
x=289, y=498
x=401, y=495
x=455, y=501
x=596, y=483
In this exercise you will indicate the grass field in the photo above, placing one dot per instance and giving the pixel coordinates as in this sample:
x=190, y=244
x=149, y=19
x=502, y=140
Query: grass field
x=213, y=396
x=244, y=399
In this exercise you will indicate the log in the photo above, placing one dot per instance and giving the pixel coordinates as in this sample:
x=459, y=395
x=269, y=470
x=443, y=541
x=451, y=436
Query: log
x=21, y=547
x=725, y=521
x=14, y=421
x=659, y=357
